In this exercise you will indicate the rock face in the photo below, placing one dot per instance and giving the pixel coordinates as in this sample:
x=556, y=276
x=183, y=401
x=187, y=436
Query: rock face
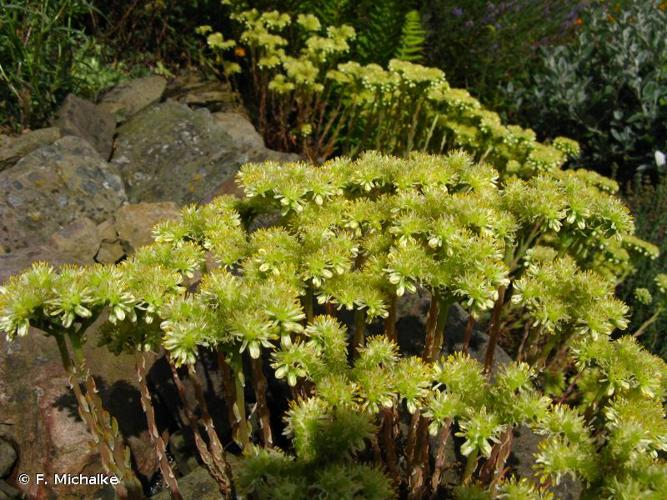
x=7, y=458
x=134, y=223
x=51, y=187
x=197, y=484
x=12, y=149
x=171, y=152
x=85, y=242
x=128, y=98
x=212, y=94
x=84, y=119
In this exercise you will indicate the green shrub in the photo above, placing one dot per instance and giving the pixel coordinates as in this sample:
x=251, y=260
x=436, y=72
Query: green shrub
x=644, y=289
x=355, y=236
x=93, y=72
x=482, y=45
x=607, y=89
x=38, y=43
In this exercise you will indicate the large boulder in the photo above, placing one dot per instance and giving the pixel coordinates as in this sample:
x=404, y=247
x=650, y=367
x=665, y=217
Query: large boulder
x=84, y=119
x=128, y=98
x=170, y=152
x=134, y=223
x=53, y=186
x=196, y=92
x=13, y=148
x=85, y=242
x=249, y=141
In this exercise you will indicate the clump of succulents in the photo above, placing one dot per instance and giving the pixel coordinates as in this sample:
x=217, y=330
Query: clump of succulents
x=64, y=304
x=306, y=308
x=310, y=96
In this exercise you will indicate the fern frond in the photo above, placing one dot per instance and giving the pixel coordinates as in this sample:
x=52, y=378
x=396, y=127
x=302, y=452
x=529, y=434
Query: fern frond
x=413, y=38
x=377, y=40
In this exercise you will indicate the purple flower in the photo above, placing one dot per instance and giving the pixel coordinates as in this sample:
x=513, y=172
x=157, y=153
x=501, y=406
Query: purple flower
x=457, y=12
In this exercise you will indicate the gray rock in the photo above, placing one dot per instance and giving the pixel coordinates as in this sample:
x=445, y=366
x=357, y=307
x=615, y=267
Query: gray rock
x=183, y=451
x=7, y=458
x=128, y=98
x=12, y=149
x=172, y=153
x=76, y=243
x=110, y=252
x=250, y=142
x=197, y=484
x=84, y=119
x=110, y=249
x=525, y=446
x=53, y=186
x=8, y=492
x=194, y=91
x=240, y=130
x=134, y=223
x=85, y=242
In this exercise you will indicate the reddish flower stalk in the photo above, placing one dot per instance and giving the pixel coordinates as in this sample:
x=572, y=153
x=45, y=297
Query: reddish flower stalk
x=156, y=440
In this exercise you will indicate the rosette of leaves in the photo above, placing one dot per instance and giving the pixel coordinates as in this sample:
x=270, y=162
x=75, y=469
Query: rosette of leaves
x=562, y=303
x=614, y=441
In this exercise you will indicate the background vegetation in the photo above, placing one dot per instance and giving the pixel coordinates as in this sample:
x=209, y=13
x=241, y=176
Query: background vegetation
x=648, y=203
x=483, y=45
x=607, y=87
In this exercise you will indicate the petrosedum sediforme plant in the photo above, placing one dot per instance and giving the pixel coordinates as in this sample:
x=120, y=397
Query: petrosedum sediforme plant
x=299, y=281
x=312, y=98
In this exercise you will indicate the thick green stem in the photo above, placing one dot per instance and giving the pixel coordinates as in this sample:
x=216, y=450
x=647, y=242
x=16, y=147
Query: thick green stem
x=435, y=327
x=359, y=330
x=443, y=316
x=471, y=464
x=308, y=306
